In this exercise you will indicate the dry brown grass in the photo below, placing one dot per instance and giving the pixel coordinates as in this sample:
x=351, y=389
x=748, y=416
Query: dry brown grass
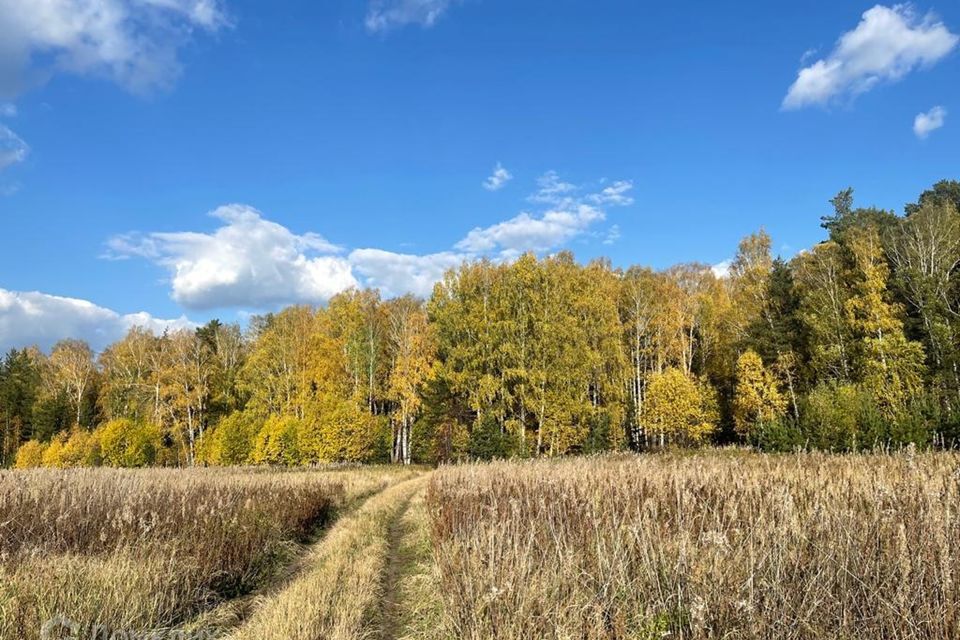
x=705, y=546
x=149, y=549
x=712, y=545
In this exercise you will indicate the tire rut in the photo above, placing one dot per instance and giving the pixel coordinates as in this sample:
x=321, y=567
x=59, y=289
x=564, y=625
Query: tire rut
x=391, y=624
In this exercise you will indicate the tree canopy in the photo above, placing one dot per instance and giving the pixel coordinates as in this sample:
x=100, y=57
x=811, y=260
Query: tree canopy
x=852, y=343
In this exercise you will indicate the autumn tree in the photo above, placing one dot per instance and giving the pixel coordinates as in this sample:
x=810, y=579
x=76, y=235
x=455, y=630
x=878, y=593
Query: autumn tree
x=358, y=320
x=757, y=400
x=275, y=374
x=72, y=366
x=130, y=376
x=228, y=348
x=679, y=408
x=186, y=382
x=412, y=350
x=750, y=276
x=925, y=253
x=889, y=364
x=639, y=307
x=822, y=282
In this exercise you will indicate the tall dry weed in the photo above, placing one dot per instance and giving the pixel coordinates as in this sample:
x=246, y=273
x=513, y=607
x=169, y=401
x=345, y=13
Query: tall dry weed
x=705, y=546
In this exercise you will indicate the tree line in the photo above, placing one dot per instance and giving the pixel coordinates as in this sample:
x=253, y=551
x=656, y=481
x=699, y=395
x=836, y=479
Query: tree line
x=851, y=344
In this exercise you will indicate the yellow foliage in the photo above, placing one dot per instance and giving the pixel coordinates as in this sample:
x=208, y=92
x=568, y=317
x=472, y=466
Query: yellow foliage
x=125, y=443
x=230, y=442
x=339, y=431
x=82, y=449
x=29, y=455
x=277, y=442
x=679, y=408
x=757, y=398
x=53, y=454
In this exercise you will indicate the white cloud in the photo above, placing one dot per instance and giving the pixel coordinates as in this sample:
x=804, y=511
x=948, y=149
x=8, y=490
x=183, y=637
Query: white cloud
x=498, y=179
x=552, y=190
x=722, y=269
x=809, y=54
x=527, y=232
x=398, y=273
x=384, y=15
x=256, y=263
x=889, y=43
x=132, y=42
x=617, y=194
x=249, y=261
x=613, y=234
x=34, y=318
x=8, y=110
x=925, y=123
x=569, y=215
x=12, y=148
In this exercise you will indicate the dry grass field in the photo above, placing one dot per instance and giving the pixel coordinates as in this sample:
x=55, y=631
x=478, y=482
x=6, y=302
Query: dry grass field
x=708, y=545
x=701, y=546
x=151, y=549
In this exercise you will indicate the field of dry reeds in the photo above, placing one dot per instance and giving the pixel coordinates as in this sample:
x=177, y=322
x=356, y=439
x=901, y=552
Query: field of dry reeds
x=701, y=546
x=150, y=549
x=721, y=544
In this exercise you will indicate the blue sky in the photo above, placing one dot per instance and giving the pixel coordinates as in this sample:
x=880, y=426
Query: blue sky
x=355, y=142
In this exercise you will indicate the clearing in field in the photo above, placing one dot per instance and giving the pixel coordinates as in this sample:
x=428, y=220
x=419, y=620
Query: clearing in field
x=711, y=545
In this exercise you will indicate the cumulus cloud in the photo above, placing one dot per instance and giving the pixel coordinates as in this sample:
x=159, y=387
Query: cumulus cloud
x=385, y=15
x=248, y=261
x=252, y=262
x=887, y=44
x=34, y=318
x=498, y=179
x=132, y=42
x=12, y=149
x=925, y=123
x=399, y=273
x=570, y=213
x=722, y=269
x=527, y=232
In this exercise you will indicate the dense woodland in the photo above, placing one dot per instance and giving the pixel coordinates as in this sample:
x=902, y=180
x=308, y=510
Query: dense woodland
x=849, y=345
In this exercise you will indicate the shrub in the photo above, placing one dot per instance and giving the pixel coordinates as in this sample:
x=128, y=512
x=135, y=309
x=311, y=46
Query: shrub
x=339, y=431
x=781, y=435
x=81, y=449
x=436, y=442
x=231, y=441
x=126, y=443
x=277, y=442
x=29, y=455
x=833, y=415
x=53, y=454
x=848, y=417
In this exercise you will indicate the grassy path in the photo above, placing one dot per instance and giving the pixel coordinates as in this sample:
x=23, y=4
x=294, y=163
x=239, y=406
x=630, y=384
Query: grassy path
x=354, y=583
x=297, y=560
x=390, y=612
x=412, y=604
